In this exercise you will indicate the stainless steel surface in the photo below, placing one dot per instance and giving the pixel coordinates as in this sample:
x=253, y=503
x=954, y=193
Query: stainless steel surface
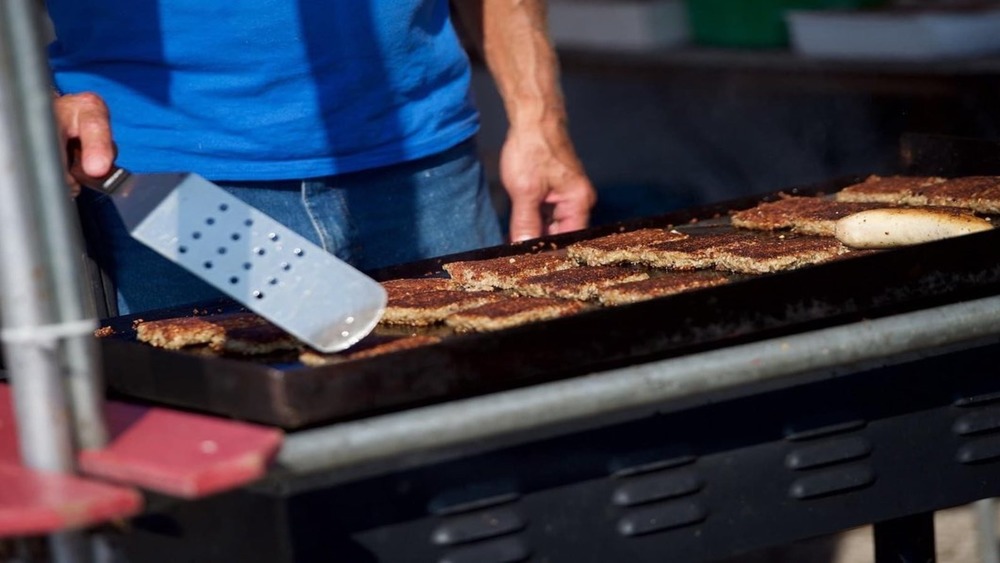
x=422, y=430
x=249, y=256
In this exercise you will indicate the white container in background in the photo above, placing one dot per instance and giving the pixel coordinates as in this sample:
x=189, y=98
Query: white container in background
x=894, y=35
x=630, y=25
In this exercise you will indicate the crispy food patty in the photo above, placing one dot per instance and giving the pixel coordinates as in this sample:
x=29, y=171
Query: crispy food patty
x=578, y=283
x=397, y=288
x=422, y=309
x=977, y=193
x=506, y=271
x=618, y=248
x=512, y=311
x=767, y=253
x=669, y=283
x=804, y=215
x=896, y=190
x=240, y=333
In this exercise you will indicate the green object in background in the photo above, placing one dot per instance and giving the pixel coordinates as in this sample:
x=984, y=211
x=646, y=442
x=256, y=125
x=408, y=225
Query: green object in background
x=753, y=23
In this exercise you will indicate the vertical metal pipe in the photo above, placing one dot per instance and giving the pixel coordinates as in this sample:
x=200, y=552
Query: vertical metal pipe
x=71, y=547
x=986, y=530
x=63, y=250
x=39, y=315
x=31, y=343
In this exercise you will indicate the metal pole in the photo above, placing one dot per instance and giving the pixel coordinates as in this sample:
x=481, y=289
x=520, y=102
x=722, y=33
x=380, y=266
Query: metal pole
x=986, y=530
x=425, y=429
x=61, y=229
x=44, y=325
x=30, y=335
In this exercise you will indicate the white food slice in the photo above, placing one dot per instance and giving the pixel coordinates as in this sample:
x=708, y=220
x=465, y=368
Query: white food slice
x=886, y=228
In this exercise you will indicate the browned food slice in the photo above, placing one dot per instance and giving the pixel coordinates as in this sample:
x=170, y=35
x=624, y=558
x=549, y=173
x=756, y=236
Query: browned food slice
x=397, y=288
x=618, y=248
x=422, y=309
x=578, y=283
x=669, y=283
x=369, y=347
x=771, y=253
x=241, y=333
x=978, y=193
x=176, y=333
x=512, y=311
x=895, y=190
x=804, y=215
x=695, y=252
x=506, y=271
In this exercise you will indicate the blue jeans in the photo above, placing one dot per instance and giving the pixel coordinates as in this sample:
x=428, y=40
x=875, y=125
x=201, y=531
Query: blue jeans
x=429, y=207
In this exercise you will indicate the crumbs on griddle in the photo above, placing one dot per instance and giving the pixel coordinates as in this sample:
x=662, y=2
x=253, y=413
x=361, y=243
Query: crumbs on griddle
x=104, y=331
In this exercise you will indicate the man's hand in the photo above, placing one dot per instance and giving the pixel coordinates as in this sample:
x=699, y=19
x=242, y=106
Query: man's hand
x=549, y=191
x=84, y=124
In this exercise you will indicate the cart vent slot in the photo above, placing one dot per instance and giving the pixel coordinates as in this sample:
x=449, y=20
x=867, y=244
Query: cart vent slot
x=796, y=433
x=979, y=451
x=477, y=526
x=660, y=517
x=832, y=481
x=977, y=422
x=505, y=550
x=834, y=451
x=460, y=501
x=976, y=400
x=657, y=486
x=622, y=469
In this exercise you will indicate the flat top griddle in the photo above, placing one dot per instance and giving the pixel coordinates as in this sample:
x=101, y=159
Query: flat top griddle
x=285, y=393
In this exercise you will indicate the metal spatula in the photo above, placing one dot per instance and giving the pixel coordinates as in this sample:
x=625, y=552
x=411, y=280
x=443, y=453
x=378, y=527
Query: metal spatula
x=249, y=256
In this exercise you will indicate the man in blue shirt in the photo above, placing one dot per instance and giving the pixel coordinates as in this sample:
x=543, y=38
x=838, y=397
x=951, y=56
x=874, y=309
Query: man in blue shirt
x=350, y=121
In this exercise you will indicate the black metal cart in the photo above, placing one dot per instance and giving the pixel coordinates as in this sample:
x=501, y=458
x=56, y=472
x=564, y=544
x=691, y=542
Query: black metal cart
x=685, y=459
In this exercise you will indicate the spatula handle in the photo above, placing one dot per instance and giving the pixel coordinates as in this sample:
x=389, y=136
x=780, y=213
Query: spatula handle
x=113, y=181
x=109, y=183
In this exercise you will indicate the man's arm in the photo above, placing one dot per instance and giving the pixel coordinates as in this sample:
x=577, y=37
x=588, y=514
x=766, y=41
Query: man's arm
x=84, y=119
x=539, y=168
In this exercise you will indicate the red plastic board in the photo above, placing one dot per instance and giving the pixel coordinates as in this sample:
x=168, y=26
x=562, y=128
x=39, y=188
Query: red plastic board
x=34, y=503
x=180, y=454
x=170, y=452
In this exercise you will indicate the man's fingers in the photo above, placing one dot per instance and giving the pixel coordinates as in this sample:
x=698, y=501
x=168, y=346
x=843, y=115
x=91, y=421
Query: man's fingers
x=97, y=149
x=525, y=219
x=572, y=205
x=74, y=185
x=84, y=119
x=575, y=220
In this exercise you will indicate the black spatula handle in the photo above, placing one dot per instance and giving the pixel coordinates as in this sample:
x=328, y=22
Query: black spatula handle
x=107, y=184
x=113, y=181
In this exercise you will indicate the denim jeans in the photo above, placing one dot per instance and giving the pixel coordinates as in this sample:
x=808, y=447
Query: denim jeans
x=429, y=207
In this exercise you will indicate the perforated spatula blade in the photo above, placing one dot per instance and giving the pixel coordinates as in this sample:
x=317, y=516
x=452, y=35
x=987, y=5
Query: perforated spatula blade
x=249, y=256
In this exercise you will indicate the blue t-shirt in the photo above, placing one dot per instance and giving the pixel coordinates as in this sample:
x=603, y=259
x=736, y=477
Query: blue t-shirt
x=268, y=89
